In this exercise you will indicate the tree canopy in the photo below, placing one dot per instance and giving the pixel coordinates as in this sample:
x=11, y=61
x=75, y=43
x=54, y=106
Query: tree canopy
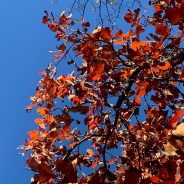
x=116, y=116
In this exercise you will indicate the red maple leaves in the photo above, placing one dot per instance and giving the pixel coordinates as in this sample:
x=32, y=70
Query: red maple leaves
x=115, y=113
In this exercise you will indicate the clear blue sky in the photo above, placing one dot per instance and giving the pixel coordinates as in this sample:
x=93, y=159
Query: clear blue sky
x=24, y=47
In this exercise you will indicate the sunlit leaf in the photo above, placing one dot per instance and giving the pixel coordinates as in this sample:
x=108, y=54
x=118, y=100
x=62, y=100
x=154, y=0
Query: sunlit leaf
x=129, y=17
x=33, y=134
x=97, y=71
x=72, y=144
x=165, y=66
x=137, y=101
x=42, y=111
x=162, y=29
x=95, y=163
x=90, y=152
x=105, y=34
x=155, y=179
x=53, y=26
x=176, y=117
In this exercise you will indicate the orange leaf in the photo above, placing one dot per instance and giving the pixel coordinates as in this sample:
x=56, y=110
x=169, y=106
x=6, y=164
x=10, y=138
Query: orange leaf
x=175, y=118
x=90, y=152
x=94, y=164
x=141, y=89
x=157, y=7
x=68, y=136
x=155, y=179
x=106, y=34
x=128, y=35
x=72, y=144
x=141, y=92
x=41, y=111
x=97, y=71
x=131, y=128
x=174, y=15
x=137, y=101
x=33, y=134
x=76, y=100
x=38, y=121
x=30, y=107
x=93, y=123
x=118, y=42
x=137, y=45
x=50, y=119
x=121, y=169
x=166, y=65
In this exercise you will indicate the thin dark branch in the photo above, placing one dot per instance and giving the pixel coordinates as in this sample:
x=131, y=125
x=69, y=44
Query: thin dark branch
x=119, y=102
x=84, y=8
x=109, y=17
x=72, y=7
x=100, y=12
x=80, y=142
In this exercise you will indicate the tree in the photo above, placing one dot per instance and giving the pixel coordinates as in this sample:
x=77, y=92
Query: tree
x=117, y=117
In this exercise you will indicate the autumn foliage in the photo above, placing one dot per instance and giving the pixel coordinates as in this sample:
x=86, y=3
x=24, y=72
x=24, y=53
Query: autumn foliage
x=114, y=118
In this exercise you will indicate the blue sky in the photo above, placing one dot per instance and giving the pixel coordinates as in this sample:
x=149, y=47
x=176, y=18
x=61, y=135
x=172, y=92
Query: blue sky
x=24, y=47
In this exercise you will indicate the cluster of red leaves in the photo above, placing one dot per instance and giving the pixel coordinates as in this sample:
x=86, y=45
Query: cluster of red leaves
x=126, y=95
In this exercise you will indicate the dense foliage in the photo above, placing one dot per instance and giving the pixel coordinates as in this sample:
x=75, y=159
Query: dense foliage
x=117, y=117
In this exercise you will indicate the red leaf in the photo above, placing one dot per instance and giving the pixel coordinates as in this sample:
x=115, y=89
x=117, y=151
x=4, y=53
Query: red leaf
x=163, y=174
x=155, y=179
x=131, y=129
x=141, y=89
x=161, y=29
x=119, y=34
x=105, y=34
x=83, y=180
x=45, y=19
x=67, y=168
x=175, y=118
x=97, y=71
x=46, y=172
x=136, y=45
x=166, y=65
x=53, y=26
x=85, y=24
x=132, y=176
x=129, y=17
x=174, y=15
x=33, y=163
x=141, y=92
x=63, y=19
x=158, y=7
